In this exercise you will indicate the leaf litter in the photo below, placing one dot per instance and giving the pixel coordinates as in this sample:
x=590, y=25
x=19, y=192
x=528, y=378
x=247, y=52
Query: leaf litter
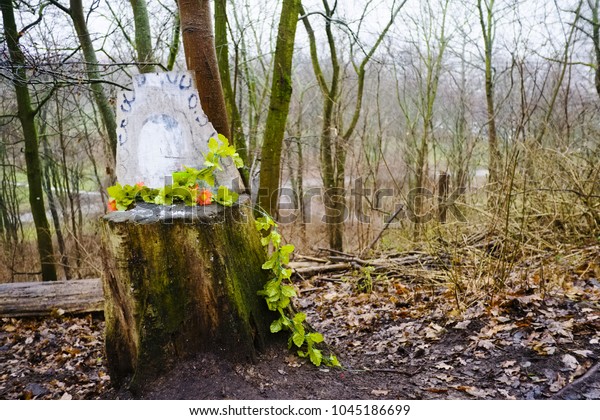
x=404, y=339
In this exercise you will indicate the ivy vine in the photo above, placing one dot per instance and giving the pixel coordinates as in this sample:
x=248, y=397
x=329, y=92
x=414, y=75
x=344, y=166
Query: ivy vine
x=278, y=293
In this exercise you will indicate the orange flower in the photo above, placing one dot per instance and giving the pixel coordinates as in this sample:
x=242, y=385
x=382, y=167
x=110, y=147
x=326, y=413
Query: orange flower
x=204, y=197
x=139, y=184
x=112, y=205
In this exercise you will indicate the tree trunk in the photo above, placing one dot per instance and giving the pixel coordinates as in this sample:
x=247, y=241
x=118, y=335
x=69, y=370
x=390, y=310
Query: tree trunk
x=180, y=282
x=486, y=20
x=279, y=106
x=174, y=46
x=48, y=172
x=201, y=58
x=143, y=37
x=93, y=72
x=222, y=47
x=26, y=115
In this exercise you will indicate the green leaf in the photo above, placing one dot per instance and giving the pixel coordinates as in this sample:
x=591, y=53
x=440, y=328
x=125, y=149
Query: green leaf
x=315, y=337
x=213, y=145
x=180, y=178
x=284, y=301
x=332, y=361
x=276, y=238
x=116, y=192
x=288, y=291
x=287, y=249
x=264, y=223
x=270, y=263
x=148, y=194
x=224, y=140
x=265, y=241
x=226, y=197
x=237, y=161
x=315, y=356
x=285, y=252
x=299, y=318
x=276, y=326
x=286, y=273
x=298, y=339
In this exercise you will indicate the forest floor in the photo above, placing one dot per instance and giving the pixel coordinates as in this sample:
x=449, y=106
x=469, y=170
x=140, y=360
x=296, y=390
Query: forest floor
x=398, y=334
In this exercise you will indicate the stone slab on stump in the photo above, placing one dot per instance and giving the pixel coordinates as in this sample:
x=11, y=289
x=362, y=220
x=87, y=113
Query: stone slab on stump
x=177, y=280
x=162, y=128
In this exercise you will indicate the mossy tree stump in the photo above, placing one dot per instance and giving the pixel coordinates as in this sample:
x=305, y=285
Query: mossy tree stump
x=181, y=280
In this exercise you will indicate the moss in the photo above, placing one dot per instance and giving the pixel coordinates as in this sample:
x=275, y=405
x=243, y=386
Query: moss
x=187, y=287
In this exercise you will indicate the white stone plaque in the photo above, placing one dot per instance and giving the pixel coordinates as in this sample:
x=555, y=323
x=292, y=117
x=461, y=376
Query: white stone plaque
x=162, y=128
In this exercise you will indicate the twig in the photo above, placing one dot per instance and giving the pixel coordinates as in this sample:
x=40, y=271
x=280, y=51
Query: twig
x=311, y=271
x=383, y=229
x=313, y=259
x=333, y=251
x=578, y=381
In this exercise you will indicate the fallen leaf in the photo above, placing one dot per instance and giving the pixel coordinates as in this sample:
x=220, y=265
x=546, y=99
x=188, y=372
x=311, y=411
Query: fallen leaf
x=512, y=371
x=570, y=362
x=444, y=377
x=505, y=394
x=508, y=363
x=476, y=392
x=443, y=365
x=471, y=390
x=437, y=390
x=584, y=353
x=462, y=325
x=380, y=392
x=66, y=396
x=486, y=344
x=558, y=384
x=9, y=328
x=581, y=369
x=504, y=379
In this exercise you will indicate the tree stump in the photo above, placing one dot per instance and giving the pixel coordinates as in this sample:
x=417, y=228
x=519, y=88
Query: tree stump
x=181, y=280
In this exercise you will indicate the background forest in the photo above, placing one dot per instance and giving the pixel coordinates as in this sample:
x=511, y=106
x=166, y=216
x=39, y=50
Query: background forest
x=436, y=125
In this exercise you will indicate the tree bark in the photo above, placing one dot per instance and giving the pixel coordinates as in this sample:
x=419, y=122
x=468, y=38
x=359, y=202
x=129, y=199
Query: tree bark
x=222, y=48
x=201, y=59
x=179, y=283
x=143, y=36
x=279, y=106
x=26, y=114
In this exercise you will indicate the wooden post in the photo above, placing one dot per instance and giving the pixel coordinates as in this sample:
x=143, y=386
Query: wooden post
x=181, y=280
x=443, y=185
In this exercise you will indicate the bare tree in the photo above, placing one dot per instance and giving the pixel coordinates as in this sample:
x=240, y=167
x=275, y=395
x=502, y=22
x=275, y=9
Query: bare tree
x=26, y=114
x=77, y=15
x=334, y=136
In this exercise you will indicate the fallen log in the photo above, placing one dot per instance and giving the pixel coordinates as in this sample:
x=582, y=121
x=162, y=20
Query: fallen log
x=311, y=271
x=45, y=298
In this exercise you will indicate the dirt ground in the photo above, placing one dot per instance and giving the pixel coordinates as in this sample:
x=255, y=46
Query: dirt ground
x=400, y=340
